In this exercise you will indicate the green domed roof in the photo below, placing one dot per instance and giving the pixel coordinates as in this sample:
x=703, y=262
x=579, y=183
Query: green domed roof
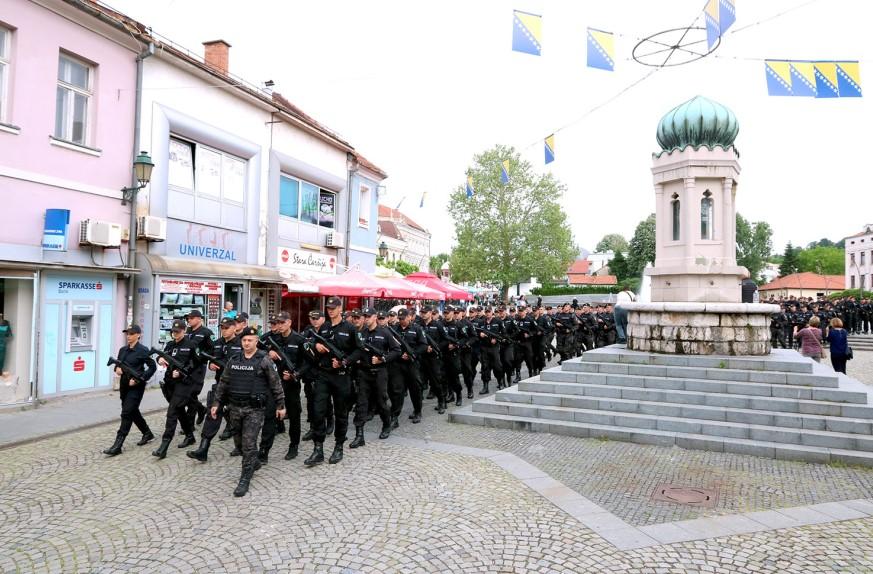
x=698, y=122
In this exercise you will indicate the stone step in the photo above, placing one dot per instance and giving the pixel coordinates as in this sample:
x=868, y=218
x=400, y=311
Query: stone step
x=712, y=374
x=823, y=438
x=665, y=438
x=524, y=395
x=678, y=399
x=778, y=360
x=702, y=385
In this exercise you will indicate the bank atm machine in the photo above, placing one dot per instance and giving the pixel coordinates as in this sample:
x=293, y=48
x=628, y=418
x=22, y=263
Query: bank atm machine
x=80, y=331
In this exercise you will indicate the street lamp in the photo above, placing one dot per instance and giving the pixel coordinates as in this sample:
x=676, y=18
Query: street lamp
x=142, y=169
x=383, y=250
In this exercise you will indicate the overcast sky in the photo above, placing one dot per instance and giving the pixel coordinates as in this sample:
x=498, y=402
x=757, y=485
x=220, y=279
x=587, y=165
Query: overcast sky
x=419, y=87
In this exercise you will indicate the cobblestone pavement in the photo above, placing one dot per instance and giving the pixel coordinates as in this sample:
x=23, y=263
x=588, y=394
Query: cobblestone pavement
x=385, y=508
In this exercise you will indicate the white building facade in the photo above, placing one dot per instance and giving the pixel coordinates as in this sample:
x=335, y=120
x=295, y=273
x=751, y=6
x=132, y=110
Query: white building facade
x=859, y=259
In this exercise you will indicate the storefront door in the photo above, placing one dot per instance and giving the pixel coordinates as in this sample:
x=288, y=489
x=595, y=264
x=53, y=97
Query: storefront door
x=17, y=305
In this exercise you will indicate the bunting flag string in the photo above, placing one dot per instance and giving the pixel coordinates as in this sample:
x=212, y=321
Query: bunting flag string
x=527, y=32
x=550, y=148
x=813, y=79
x=469, y=186
x=504, y=172
x=601, y=50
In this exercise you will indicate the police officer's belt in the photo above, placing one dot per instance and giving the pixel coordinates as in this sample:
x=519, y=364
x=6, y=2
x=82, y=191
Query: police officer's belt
x=254, y=401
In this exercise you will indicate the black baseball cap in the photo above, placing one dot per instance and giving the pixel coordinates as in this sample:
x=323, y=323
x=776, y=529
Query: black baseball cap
x=427, y=309
x=242, y=317
x=178, y=325
x=381, y=315
x=366, y=312
x=227, y=322
x=449, y=309
x=315, y=314
x=249, y=331
x=401, y=313
x=333, y=302
x=280, y=317
x=133, y=330
x=392, y=313
x=194, y=313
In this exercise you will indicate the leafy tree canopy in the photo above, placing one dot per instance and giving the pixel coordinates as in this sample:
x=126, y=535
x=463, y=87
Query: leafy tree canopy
x=612, y=242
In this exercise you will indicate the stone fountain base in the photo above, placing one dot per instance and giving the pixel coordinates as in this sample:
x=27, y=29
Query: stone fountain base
x=736, y=329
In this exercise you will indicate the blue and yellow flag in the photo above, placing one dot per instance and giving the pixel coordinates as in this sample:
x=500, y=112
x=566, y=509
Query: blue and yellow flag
x=713, y=31
x=826, y=80
x=421, y=204
x=527, y=32
x=803, y=79
x=849, y=79
x=469, y=186
x=504, y=172
x=778, y=77
x=727, y=15
x=601, y=50
x=550, y=149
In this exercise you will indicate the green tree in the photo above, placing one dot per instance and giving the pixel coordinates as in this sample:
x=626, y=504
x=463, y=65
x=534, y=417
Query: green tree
x=822, y=260
x=754, y=245
x=612, y=242
x=618, y=266
x=790, y=262
x=436, y=262
x=507, y=233
x=641, y=249
x=402, y=267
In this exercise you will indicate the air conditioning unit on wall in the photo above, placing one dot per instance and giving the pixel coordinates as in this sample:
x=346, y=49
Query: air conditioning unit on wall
x=151, y=228
x=100, y=233
x=334, y=239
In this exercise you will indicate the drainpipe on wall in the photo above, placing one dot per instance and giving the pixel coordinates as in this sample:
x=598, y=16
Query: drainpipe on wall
x=353, y=169
x=131, y=241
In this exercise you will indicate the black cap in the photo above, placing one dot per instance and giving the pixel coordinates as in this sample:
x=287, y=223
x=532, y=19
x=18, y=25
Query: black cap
x=381, y=315
x=548, y=307
x=249, y=331
x=401, y=313
x=280, y=317
x=242, y=317
x=488, y=309
x=178, y=325
x=460, y=310
x=227, y=322
x=501, y=308
x=392, y=313
x=194, y=313
x=427, y=309
x=133, y=330
x=333, y=302
x=355, y=313
x=315, y=314
x=368, y=311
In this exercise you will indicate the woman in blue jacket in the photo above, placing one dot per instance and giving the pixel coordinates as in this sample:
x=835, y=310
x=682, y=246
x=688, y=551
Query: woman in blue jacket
x=838, y=339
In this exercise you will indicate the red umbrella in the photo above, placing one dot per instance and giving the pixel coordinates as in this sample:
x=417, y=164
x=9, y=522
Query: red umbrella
x=451, y=290
x=354, y=283
x=404, y=289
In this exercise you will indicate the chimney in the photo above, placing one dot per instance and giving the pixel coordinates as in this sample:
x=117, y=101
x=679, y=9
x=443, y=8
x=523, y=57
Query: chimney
x=216, y=54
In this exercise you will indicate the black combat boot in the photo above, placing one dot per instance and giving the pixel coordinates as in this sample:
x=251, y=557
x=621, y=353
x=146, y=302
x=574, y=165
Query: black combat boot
x=307, y=435
x=359, y=438
x=202, y=450
x=517, y=377
x=161, y=451
x=416, y=418
x=458, y=399
x=430, y=395
x=484, y=390
x=263, y=456
x=450, y=397
x=469, y=392
x=244, y=480
x=115, y=449
x=187, y=441
x=337, y=454
x=317, y=456
x=441, y=406
x=292, y=452
x=386, y=431
x=395, y=423
x=226, y=433
x=147, y=437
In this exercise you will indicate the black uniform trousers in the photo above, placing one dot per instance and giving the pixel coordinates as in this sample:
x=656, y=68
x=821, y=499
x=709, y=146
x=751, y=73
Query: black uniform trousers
x=249, y=421
x=432, y=375
x=194, y=406
x=179, y=399
x=270, y=424
x=491, y=362
x=537, y=350
x=507, y=356
x=373, y=382
x=336, y=387
x=777, y=338
x=293, y=409
x=452, y=371
x=405, y=379
x=465, y=356
x=565, y=345
x=211, y=425
x=131, y=397
x=526, y=354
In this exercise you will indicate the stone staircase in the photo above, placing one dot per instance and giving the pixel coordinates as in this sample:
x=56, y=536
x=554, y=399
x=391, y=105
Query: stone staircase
x=779, y=406
x=861, y=342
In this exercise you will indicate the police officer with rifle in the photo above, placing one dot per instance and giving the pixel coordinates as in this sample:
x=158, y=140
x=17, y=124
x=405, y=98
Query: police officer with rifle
x=180, y=359
x=413, y=345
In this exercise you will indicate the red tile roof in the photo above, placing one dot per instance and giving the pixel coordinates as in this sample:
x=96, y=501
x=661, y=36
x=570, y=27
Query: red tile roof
x=370, y=165
x=388, y=229
x=581, y=266
x=386, y=212
x=576, y=279
x=807, y=280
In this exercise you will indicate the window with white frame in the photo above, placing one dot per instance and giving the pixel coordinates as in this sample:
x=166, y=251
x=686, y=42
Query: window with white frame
x=205, y=171
x=5, y=41
x=306, y=202
x=73, y=101
x=364, y=206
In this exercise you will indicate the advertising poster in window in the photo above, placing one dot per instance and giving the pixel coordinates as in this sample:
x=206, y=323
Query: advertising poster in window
x=309, y=204
x=326, y=202
x=180, y=171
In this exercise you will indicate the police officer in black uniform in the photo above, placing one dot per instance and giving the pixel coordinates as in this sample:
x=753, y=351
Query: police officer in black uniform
x=380, y=349
x=431, y=365
x=245, y=383
x=406, y=367
x=491, y=331
x=201, y=336
x=565, y=331
x=225, y=348
x=452, y=356
x=466, y=337
x=134, y=355
x=333, y=380
x=528, y=329
x=178, y=387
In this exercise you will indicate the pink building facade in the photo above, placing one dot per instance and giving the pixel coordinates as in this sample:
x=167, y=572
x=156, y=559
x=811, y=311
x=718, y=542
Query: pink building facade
x=67, y=102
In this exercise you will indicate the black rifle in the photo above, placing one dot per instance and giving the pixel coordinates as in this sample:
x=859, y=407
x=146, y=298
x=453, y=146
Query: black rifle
x=374, y=352
x=283, y=357
x=337, y=354
x=407, y=348
x=490, y=335
x=432, y=344
x=132, y=373
x=212, y=359
x=171, y=361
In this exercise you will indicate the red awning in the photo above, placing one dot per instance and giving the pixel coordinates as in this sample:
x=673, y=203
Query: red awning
x=451, y=290
x=354, y=283
x=403, y=289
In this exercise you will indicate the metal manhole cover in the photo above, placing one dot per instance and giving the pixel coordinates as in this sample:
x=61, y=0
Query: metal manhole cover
x=689, y=495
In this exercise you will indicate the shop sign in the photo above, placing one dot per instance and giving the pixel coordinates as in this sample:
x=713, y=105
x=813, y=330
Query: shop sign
x=194, y=287
x=95, y=287
x=204, y=242
x=54, y=231
x=312, y=263
x=78, y=365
